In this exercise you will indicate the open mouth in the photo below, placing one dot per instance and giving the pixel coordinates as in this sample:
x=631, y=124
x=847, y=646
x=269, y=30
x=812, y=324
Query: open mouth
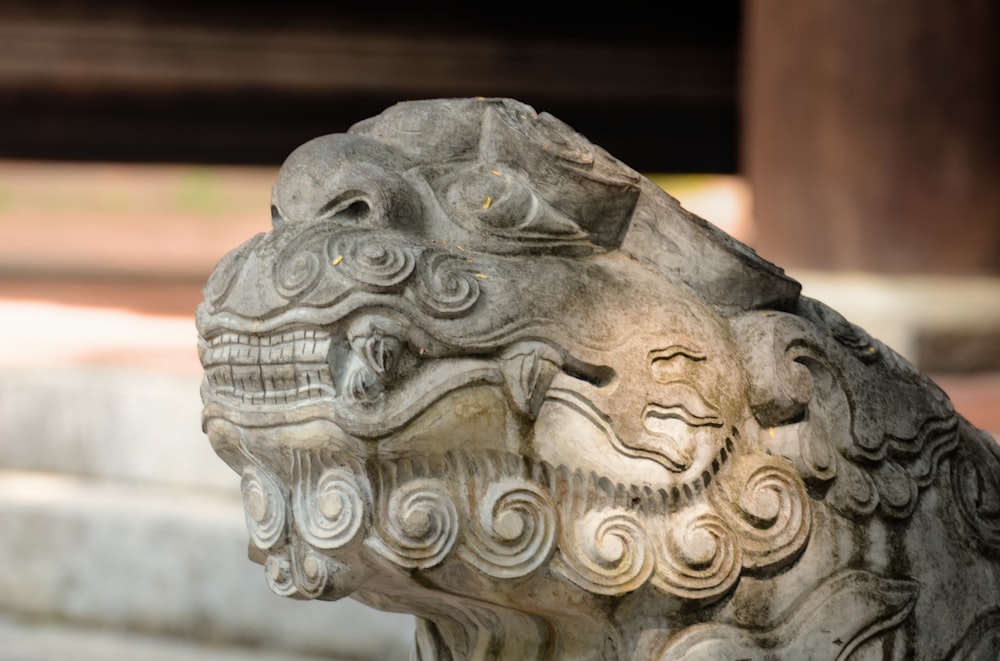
x=363, y=376
x=284, y=368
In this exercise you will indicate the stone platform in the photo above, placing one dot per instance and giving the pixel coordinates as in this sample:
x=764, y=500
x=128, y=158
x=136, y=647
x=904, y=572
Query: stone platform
x=125, y=536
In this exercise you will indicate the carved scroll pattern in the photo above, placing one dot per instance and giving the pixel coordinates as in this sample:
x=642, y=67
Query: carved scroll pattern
x=307, y=575
x=324, y=509
x=976, y=486
x=278, y=575
x=322, y=264
x=420, y=524
x=824, y=411
x=513, y=529
x=756, y=519
x=329, y=514
x=613, y=552
x=263, y=506
x=297, y=273
x=769, y=509
x=313, y=574
x=446, y=287
x=700, y=557
x=370, y=259
x=504, y=527
x=505, y=516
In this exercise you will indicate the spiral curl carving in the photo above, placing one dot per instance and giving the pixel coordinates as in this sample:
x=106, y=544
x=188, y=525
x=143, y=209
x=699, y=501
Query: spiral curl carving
x=278, y=575
x=770, y=513
x=446, y=287
x=311, y=575
x=330, y=515
x=976, y=486
x=513, y=530
x=421, y=525
x=373, y=260
x=297, y=273
x=610, y=553
x=700, y=558
x=263, y=507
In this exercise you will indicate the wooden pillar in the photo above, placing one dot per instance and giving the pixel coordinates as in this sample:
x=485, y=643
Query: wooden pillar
x=872, y=133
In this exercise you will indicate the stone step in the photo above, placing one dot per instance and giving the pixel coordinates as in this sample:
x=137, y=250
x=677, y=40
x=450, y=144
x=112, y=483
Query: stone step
x=110, y=423
x=162, y=560
x=34, y=641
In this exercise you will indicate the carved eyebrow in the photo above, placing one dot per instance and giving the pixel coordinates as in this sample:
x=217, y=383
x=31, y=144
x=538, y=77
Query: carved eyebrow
x=674, y=351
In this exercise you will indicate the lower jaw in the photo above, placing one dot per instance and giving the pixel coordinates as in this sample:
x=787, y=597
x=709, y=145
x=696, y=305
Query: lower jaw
x=272, y=418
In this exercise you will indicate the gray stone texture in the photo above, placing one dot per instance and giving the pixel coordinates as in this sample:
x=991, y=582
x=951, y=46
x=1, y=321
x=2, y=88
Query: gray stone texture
x=483, y=372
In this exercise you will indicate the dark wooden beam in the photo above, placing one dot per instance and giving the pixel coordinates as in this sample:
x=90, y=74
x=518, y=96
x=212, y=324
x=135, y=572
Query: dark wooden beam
x=872, y=134
x=174, y=81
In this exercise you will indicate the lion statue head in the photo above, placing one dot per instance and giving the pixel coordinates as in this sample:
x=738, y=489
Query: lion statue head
x=483, y=372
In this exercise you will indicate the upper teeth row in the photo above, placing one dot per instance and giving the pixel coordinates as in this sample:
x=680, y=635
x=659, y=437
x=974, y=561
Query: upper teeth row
x=268, y=340
x=301, y=346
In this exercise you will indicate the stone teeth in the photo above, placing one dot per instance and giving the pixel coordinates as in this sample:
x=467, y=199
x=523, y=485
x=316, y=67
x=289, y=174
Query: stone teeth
x=301, y=345
x=282, y=368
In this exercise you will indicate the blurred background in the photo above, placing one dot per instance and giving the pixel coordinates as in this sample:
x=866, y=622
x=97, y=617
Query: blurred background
x=854, y=144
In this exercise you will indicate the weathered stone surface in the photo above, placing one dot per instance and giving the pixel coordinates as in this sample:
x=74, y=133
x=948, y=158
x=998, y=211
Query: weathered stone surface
x=483, y=372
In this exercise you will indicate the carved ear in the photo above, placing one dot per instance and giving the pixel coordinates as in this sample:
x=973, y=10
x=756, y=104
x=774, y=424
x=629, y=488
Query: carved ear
x=855, y=418
x=528, y=369
x=780, y=347
x=350, y=207
x=794, y=394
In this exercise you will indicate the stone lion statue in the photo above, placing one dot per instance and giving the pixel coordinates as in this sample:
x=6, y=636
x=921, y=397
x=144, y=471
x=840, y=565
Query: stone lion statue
x=483, y=372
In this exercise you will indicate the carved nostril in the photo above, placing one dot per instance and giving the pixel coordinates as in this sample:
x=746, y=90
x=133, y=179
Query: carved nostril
x=355, y=212
x=350, y=206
